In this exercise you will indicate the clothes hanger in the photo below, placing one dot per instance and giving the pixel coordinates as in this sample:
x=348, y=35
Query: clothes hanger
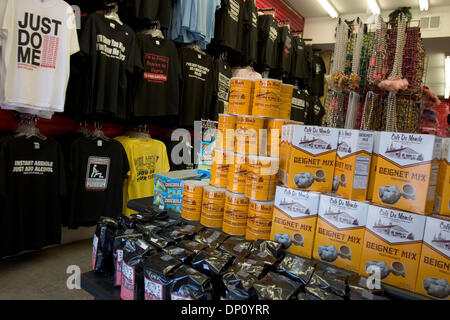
x=112, y=9
x=154, y=30
x=84, y=129
x=98, y=133
x=196, y=48
x=29, y=129
x=141, y=133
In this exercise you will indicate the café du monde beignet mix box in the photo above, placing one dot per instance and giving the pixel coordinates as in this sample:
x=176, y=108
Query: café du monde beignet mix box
x=407, y=171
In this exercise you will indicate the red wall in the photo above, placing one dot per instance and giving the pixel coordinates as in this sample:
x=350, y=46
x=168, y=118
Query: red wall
x=283, y=12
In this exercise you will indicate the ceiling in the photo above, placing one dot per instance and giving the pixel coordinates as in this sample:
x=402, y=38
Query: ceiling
x=311, y=8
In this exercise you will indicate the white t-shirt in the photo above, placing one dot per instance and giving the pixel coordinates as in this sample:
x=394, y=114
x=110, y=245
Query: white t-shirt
x=40, y=38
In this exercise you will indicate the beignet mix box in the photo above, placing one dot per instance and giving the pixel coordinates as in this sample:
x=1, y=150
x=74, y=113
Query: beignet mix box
x=407, y=171
x=351, y=172
x=434, y=268
x=392, y=246
x=312, y=158
x=340, y=232
x=294, y=220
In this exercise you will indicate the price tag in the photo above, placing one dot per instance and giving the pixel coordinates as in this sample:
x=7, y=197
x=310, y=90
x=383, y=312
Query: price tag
x=99, y=143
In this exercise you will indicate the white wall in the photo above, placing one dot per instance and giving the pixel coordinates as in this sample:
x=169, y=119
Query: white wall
x=322, y=29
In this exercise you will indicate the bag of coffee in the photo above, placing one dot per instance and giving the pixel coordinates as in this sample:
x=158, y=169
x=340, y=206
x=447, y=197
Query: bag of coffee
x=264, y=248
x=134, y=254
x=166, y=223
x=102, y=249
x=189, y=284
x=275, y=286
x=237, y=247
x=119, y=243
x=256, y=268
x=157, y=276
x=330, y=279
x=188, y=229
x=212, y=262
x=158, y=241
x=296, y=268
x=192, y=245
x=173, y=234
x=359, y=293
x=316, y=293
x=212, y=238
x=181, y=254
x=238, y=284
x=148, y=228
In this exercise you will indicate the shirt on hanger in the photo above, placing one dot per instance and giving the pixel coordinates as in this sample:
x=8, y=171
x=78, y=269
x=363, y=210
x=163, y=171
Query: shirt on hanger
x=300, y=106
x=32, y=182
x=38, y=39
x=250, y=38
x=111, y=49
x=230, y=26
x=198, y=86
x=285, y=48
x=267, y=41
x=317, y=76
x=146, y=158
x=98, y=168
x=158, y=85
x=315, y=112
x=299, y=59
x=223, y=75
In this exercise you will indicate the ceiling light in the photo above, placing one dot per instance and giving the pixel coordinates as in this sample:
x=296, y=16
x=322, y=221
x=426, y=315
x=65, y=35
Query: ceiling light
x=328, y=8
x=423, y=5
x=373, y=6
x=447, y=77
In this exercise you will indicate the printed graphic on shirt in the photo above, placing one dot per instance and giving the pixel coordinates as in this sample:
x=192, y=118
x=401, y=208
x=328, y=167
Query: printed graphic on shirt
x=38, y=41
x=254, y=20
x=32, y=167
x=157, y=68
x=97, y=173
x=110, y=48
x=287, y=45
x=197, y=71
x=233, y=10
x=145, y=167
x=273, y=34
x=224, y=85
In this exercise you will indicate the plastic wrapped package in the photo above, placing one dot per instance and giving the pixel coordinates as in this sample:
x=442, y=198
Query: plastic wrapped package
x=275, y=286
x=236, y=247
x=192, y=245
x=296, y=268
x=103, y=243
x=238, y=284
x=118, y=247
x=212, y=238
x=189, y=284
x=256, y=268
x=181, y=254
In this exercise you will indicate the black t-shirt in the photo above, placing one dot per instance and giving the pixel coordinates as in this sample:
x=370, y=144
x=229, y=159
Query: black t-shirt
x=230, y=24
x=318, y=71
x=198, y=86
x=98, y=169
x=158, y=85
x=250, y=38
x=223, y=75
x=285, y=48
x=32, y=182
x=315, y=112
x=300, y=106
x=299, y=59
x=111, y=49
x=267, y=41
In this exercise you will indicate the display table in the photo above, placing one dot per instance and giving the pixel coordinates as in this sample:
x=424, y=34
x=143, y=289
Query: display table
x=102, y=288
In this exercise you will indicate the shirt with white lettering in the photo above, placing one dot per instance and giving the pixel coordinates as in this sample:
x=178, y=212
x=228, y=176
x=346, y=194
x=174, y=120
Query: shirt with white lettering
x=40, y=37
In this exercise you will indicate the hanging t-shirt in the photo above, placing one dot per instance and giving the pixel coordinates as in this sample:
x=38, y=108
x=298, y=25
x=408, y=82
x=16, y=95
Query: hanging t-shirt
x=315, y=112
x=40, y=38
x=285, y=48
x=198, y=86
x=111, y=49
x=230, y=24
x=223, y=75
x=300, y=106
x=250, y=39
x=317, y=76
x=32, y=182
x=299, y=59
x=158, y=86
x=205, y=21
x=267, y=41
x=98, y=169
x=146, y=158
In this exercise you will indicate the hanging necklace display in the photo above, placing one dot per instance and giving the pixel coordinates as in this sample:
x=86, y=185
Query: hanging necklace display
x=377, y=65
x=394, y=83
x=338, y=78
x=354, y=79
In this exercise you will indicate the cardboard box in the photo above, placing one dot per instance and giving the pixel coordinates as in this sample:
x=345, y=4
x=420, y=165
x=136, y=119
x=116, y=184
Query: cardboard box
x=392, y=246
x=312, y=158
x=433, y=279
x=167, y=201
x=294, y=220
x=373, y=164
x=442, y=203
x=407, y=170
x=173, y=182
x=341, y=226
x=285, y=144
x=352, y=166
